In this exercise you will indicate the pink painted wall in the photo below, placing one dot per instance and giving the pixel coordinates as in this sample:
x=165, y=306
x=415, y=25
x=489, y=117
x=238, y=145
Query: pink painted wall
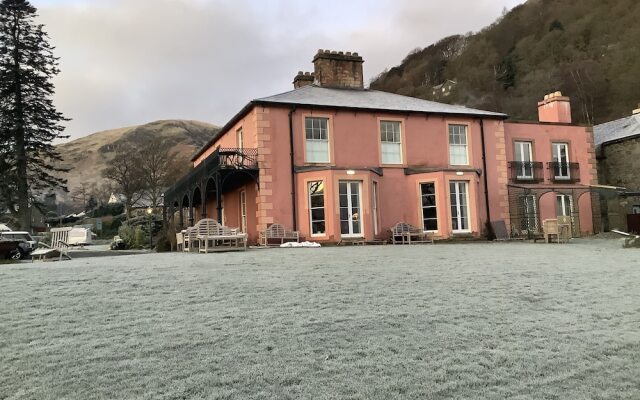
x=229, y=138
x=581, y=150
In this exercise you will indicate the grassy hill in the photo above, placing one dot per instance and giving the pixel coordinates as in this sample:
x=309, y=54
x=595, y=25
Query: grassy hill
x=588, y=49
x=88, y=156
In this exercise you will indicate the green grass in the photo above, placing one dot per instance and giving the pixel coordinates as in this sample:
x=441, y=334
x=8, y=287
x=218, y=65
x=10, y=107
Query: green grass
x=472, y=321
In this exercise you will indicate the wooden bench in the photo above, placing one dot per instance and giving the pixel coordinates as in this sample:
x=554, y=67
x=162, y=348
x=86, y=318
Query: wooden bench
x=59, y=246
x=277, y=232
x=212, y=236
x=404, y=233
x=180, y=240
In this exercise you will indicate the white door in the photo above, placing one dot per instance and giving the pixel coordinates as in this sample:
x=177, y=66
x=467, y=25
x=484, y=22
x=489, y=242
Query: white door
x=524, y=158
x=243, y=211
x=350, y=209
x=459, y=206
x=375, y=208
x=561, y=158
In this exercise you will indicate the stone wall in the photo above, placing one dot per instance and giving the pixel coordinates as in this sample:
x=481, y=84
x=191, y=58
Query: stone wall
x=620, y=165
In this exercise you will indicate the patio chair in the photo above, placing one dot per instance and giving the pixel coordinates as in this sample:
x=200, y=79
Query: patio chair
x=180, y=240
x=550, y=229
x=404, y=233
x=277, y=232
x=59, y=246
x=564, y=229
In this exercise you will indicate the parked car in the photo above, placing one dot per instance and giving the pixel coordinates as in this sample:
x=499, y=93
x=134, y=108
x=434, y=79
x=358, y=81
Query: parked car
x=20, y=235
x=14, y=249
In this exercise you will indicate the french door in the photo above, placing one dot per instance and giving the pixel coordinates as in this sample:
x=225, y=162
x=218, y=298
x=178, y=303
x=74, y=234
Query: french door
x=459, y=206
x=243, y=211
x=350, y=208
x=561, y=160
x=524, y=157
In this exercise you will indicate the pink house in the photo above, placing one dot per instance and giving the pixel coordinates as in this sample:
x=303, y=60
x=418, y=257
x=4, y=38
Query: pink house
x=336, y=161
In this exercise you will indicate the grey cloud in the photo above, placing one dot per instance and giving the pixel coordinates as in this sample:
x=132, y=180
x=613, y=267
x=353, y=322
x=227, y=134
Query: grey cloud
x=126, y=62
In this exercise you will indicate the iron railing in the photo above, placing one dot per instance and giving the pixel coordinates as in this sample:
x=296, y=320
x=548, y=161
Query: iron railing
x=563, y=172
x=526, y=171
x=221, y=158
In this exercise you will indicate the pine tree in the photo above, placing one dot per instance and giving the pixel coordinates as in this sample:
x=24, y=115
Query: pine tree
x=29, y=122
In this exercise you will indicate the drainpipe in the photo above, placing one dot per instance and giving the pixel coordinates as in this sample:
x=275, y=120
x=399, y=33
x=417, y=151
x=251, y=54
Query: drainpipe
x=293, y=171
x=490, y=233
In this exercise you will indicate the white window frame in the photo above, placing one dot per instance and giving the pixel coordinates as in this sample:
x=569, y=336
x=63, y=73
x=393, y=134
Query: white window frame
x=458, y=206
x=391, y=139
x=452, y=135
x=435, y=206
x=376, y=221
x=311, y=207
x=557, y=157
x=243, y=211
x=520, y=152
x=350, y=206
x=564, y=202
x=240, y=139
x=314, y=139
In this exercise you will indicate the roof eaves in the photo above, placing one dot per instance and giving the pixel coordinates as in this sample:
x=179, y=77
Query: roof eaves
x=489, y=114
x=234, y=120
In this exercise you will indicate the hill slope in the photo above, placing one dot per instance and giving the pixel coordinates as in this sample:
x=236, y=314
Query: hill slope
x=88, y=156
x=588, y=49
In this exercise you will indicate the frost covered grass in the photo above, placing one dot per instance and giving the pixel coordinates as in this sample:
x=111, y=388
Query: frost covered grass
x=473, y=321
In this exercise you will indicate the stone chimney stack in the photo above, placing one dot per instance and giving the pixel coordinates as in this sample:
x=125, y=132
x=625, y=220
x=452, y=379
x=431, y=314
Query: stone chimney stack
x=303, y=79
x=636, y=111
x=555, y=108
x=333, y=69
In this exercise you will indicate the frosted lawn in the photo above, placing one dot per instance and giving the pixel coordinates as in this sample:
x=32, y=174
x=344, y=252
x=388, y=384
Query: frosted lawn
x=446, y=321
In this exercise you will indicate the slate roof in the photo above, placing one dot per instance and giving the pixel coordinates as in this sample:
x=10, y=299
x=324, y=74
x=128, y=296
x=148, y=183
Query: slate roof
x=312, y=95
x=365, y=99
x=619, y=129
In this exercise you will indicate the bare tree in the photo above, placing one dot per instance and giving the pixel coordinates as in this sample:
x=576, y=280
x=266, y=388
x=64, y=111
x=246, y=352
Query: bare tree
x=156, y=161
x=127, y=175
x=81, y=195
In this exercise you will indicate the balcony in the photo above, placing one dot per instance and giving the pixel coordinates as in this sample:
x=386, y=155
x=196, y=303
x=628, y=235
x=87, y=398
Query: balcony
x=218, y=166
x=525, y=172
x=562, y=172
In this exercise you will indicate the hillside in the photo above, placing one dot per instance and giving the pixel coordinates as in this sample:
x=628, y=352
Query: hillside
x=588, y=49
x=88, y=156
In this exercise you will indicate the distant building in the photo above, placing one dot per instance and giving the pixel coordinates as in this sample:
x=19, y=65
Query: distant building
x=618, y=150
x=444, y=89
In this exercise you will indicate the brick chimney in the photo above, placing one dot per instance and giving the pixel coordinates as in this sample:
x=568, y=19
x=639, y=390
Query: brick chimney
x=555, y=108
x=303, y=79
x=335, y=69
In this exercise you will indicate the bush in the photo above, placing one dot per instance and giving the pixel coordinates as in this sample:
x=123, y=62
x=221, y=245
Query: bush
x=108, y=209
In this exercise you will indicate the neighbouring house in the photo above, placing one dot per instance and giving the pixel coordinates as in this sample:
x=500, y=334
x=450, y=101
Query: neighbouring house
x=444, y=89
x=336, y=161
x=618, y=151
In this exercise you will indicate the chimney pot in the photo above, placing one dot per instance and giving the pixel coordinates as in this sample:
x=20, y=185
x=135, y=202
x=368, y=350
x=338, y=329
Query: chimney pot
x=555, y=108
x=348, y=53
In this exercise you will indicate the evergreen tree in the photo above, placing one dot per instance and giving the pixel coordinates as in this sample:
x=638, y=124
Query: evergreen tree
x=29, y=122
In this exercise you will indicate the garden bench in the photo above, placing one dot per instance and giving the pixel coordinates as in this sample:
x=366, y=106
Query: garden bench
x=59, y=246
x=404, y=233
x=277, y=232
x=211, y=236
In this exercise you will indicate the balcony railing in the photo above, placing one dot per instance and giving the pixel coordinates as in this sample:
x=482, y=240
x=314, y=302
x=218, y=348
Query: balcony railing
x=563, y=172
x=220, y=159
x=526, y=171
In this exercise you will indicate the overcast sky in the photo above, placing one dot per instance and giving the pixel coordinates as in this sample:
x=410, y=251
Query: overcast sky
x=127, y=62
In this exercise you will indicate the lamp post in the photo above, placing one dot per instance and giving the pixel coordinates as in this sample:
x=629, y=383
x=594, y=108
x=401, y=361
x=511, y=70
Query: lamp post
x=150, y=212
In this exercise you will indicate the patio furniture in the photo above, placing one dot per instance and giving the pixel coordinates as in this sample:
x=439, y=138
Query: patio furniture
x=190, y=242
x=59, y=246
x=564, y=229
x=404, y=233
x=211, y=236
x=277, y=232
x=180, y=240
x=550, y=229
